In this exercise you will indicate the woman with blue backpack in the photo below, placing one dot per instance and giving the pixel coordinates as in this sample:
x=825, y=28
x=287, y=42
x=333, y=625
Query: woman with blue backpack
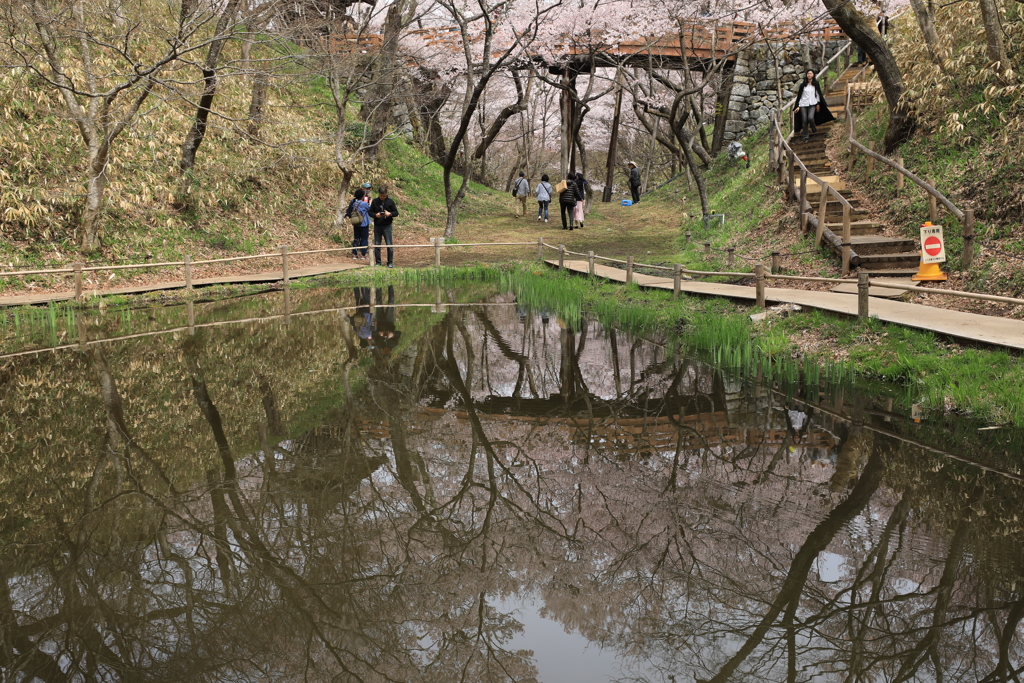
x=358, y=213
x=544, y=192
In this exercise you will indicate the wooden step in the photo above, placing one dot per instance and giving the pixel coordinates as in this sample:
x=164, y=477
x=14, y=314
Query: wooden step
x=870, y=245
x=856, y=228
x=888, y=272
x=888, y=261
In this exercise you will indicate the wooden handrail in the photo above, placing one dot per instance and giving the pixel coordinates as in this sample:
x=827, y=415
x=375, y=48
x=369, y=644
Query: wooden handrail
x=927, y=187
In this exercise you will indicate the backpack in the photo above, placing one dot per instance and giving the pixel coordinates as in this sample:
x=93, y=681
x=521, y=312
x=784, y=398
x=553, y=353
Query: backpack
x=353, y=215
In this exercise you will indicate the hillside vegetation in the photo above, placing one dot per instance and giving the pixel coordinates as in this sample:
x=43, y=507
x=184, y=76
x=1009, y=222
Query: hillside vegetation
x=969, y=141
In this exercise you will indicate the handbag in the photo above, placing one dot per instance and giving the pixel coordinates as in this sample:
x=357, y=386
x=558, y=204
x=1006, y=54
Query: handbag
x=562, y=186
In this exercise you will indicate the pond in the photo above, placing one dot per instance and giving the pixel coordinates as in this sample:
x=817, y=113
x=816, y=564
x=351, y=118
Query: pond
x=440, y=483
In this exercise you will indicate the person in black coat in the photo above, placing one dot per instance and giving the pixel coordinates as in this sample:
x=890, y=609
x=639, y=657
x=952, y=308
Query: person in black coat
x=810, y=106
x=567, y=200
x=384, y=211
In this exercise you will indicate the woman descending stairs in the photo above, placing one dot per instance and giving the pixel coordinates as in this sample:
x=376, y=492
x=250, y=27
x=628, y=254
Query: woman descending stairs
x=870, y=250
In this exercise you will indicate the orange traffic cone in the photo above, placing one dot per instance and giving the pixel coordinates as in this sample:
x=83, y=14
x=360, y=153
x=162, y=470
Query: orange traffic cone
x=928, y=272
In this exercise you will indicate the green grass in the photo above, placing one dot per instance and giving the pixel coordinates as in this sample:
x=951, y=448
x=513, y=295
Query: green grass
x=917, y=367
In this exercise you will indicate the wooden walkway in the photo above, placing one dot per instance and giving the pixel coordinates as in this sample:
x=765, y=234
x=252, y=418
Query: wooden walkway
x=968, y=326
x=250, y=278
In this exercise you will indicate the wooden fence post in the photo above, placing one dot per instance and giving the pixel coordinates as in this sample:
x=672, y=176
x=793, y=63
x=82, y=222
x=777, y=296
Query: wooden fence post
x=284, y=263
x=790, y=185
x=191, y=318
x=863, y=288
x=803, y=198
x=776, y=265
x=687, y=241
x=732, y=256
x=629, y=269
x=967, y=260
x=677, y=277
x=853, y=155
x=78, y=281
x=846, y=239
x=871, y=159
x=540, y=248
x=899, y=177
x=759, y=284
x=707, y=250
x=822, y=208
x=437, y=251
x=933, y=206
x=561, y=257
x=590, y=263
x=188, y=274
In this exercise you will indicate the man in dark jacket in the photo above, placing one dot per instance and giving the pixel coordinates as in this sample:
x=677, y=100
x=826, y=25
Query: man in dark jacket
x=383, y=210
x=567, y=200
x=634, y=182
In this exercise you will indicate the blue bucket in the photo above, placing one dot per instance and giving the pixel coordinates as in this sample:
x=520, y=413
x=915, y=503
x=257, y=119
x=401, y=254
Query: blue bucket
x=627, y=202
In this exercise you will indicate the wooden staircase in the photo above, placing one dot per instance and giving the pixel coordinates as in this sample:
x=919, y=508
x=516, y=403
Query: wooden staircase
x=871, y=251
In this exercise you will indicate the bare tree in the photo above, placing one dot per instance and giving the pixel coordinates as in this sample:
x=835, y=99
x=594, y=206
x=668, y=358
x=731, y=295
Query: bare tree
x=102, y=71
x=863, y=33
x=223, y=31
x=486, y=49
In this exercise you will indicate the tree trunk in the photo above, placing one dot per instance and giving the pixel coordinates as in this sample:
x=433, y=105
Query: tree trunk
x=927, y=23
x=565, y=128
x=260, y=81
x=613, y=145
x=89, y=239
x=342, y=204
x=863, y=33
x=197, y=132
x=994, y=37
x=384, y=93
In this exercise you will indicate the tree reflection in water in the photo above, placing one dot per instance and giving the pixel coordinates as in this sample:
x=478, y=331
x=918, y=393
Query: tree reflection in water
x=175, y=515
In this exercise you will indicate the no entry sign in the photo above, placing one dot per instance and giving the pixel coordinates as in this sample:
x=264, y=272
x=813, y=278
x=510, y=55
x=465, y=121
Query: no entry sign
x=932, y=244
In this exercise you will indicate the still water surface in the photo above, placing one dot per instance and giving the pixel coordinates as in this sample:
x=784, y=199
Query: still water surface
x=382, y=488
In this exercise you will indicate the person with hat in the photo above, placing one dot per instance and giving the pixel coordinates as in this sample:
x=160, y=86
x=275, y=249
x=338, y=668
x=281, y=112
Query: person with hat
x=634, y=182
x=383, y=210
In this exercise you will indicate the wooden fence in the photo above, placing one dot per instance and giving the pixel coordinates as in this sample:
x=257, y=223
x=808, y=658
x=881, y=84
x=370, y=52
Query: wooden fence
x=761, y=275
x=283, y=254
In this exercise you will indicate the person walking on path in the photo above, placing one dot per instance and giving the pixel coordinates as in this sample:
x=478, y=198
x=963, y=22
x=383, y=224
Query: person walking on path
x=520, y=191
x=581, y=190
x=634, y=182
x=384, y=211
x=567, y=201
x=810, y=102
x=358, y=214
x=544, y=192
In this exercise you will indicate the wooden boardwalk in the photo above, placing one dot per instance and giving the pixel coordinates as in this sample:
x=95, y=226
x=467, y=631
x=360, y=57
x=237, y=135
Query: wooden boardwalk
x=250, y=278
x=968, y=326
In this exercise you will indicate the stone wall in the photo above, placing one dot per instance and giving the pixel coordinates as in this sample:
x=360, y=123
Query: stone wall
x=754, y=93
